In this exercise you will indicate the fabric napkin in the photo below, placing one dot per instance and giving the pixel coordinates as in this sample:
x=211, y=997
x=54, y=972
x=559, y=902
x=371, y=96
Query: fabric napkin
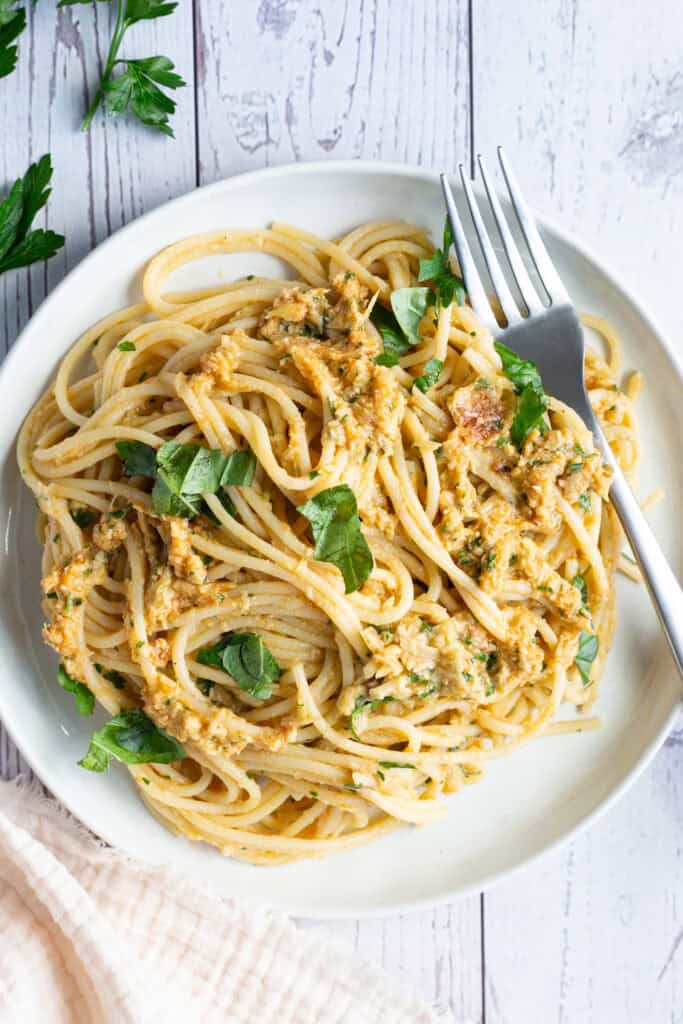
x=88, y=935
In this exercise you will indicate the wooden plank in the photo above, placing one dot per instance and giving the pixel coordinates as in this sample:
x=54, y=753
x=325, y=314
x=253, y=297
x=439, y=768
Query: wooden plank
x=589, y=111
x=102, y=179
x=309, y=80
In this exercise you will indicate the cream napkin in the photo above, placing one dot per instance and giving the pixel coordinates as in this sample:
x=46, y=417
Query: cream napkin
x=86, y=935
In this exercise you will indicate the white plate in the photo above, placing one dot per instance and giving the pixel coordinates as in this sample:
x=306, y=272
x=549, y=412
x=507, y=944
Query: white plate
x=527, y=802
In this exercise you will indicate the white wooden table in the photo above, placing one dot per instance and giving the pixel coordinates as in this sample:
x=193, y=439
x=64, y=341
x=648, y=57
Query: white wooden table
x=588, y=98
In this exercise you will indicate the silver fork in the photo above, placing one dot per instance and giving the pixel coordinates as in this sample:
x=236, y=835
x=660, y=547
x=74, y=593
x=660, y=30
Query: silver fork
x=552, y=338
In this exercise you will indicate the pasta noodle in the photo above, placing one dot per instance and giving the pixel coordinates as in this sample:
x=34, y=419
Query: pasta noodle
x=489, y=606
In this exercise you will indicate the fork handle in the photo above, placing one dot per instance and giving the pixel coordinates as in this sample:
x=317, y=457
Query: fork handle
x=661, y=582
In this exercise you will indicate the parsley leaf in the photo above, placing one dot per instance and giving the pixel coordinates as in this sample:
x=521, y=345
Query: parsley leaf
x=333, y=515
x=84, y=698
x=240, y=467
x=533, y=401
x=83, y=517
x=394, y=764
x=139, y=459
x=183, y=472
x=437, y=269
x=20, y=247
x=409, y=306
x=579, y=582
x=138, y=87
x=428, y=379
x=395, y=342
x=12, y=24
x=245, y=658
x=586, y=655
x=362, y=705
x=132, y=738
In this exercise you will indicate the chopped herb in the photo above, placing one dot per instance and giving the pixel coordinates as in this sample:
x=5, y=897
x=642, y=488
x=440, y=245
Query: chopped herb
x=52, y=594
x=119, y=513
x=333, y=515
x=245, y=658
x=532, y=402
x=205, y=685
x=427, y=693
x=467, y=676
x=489, y=561
x=363, y=705
x=250, y=277
x=138, y=459
x=430, y=376
x=579, y=582
x=585, y=501
x=628, y=558
x=380, y=774
x=395, y=342
x=490, y=690
x=482, y=656
x=394, y=764
x=112, y=675
x=140, y=643
x=352, y=786
x=437, y=270
x=126, y=346
x=426, y=627
x=132, y=738
x=314, y=474
x=84, y=698
x=574, y=467
x=82, y=517
x=586, y=655
x=482, y=384
x=542, y=586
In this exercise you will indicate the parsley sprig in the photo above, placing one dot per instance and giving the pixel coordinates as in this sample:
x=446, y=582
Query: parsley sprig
x=137, y=88
x=19, y=247
x=12, y=24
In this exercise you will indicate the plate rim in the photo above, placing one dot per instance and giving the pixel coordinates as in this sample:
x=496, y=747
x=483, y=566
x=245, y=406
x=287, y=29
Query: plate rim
x=373, y=168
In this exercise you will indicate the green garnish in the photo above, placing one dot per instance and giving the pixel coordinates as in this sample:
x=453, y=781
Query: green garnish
x=112, y=675
x=245, y=658
x=579, y=582
x=394, y=764
x=409, y=306
x=183, y=472
x=437, y=270
x=137, y=88
x=428, y=379
x=126, y=346
x=84, y=698
x=12, y=24
x=82, y=517
x=20, y=247
x=532, y=402
x=132, y=738
x=585, y=501
x=363, y=705
x=586, y=655
x=333, y=515
x=395, y=342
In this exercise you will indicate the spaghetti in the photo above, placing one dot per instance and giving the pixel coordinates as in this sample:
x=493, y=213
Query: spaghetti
x=328, y=674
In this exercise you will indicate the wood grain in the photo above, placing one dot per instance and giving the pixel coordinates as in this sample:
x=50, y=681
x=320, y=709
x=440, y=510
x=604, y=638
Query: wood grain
x=588, y=98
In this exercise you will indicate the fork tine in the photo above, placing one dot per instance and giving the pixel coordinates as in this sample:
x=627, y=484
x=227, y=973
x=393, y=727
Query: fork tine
x=500, y=285
x=519, y=271
x=468, y=268
x=544, y=265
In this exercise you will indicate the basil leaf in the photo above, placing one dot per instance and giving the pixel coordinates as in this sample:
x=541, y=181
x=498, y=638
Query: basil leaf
x=531, y=408
x=364, y=704
x=437, y=269
x=139, y=459
x=333, y=515
x=132, y=738
x=112, y=675
x=409, y=306
x=520, y=372
x=586, y=655
x=245, y=658
x=432, y=372
x=83, y=517
x=190, y=469
x=239, y=469
x=395, y=342
x=84, y=698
